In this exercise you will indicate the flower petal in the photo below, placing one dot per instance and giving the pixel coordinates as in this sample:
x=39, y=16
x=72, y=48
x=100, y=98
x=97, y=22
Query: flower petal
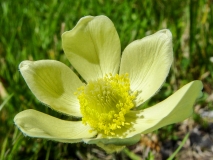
x=148, y=62
x=53, y=83
x=110, y=148
x=120, y=141
x=175, y=108
x=37, y=124
x=93, y=47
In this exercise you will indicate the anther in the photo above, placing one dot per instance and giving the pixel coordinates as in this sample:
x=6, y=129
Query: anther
x=105, y=102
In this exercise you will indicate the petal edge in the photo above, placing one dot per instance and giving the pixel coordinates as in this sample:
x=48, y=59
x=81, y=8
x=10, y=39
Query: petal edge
x=148, y=62
x=93, y=42
x=53, y=83
x=37, y=124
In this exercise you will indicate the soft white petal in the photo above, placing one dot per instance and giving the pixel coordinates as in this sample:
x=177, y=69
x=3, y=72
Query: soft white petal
x=93, y=47
x=175, y=108
x=148, y=62
x=37, y=124
x=112, y=140
x=53, y=83
x=110, y=148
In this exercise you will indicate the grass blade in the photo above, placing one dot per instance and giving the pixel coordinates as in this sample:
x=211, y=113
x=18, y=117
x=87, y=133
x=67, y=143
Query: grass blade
x=180, y=146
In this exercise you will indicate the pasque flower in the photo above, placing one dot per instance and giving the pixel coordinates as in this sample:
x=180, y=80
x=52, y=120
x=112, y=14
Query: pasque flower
x=111, y=90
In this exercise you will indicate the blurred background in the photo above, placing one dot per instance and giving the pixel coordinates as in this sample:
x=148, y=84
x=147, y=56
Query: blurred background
x=31, y=30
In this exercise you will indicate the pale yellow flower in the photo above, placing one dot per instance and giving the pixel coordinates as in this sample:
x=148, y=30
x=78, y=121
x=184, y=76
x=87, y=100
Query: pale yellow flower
x=114, y=87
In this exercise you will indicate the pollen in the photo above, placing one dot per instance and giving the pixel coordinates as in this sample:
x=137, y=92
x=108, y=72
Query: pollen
x=105, y=102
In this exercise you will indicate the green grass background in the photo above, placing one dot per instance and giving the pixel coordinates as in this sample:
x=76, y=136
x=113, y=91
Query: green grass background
x=31, y=30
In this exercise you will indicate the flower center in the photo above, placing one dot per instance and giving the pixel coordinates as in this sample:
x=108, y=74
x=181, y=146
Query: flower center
x=105, y=101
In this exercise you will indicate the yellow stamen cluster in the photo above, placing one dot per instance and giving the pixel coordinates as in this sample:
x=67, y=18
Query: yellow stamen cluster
x=105, y=102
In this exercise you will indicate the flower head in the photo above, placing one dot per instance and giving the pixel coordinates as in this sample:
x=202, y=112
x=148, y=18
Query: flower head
x=114, y=88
